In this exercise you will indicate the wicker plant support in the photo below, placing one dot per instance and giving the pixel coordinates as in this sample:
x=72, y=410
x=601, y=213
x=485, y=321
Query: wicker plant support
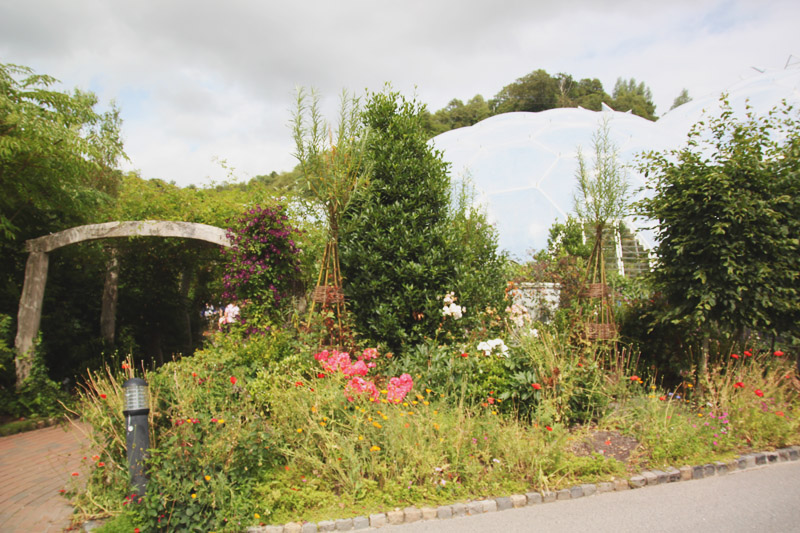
x=597, y=290
x=327, y=294
x=601, y=332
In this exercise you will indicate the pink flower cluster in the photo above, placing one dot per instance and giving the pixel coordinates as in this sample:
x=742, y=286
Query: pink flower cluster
x=359, y=387
x=399, y=387
x=337, y=361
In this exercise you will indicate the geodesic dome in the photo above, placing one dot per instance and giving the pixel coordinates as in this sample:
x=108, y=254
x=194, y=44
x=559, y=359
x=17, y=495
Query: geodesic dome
x=523, y=165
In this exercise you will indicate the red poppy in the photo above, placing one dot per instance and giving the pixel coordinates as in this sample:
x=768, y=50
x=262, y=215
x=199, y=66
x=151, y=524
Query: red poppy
x=748, y=353
x=490, y=400
x=662, y=398
x=580, y=364
x=75, y=474
x=536, y=386
x=194, y=374
x=738, y=385
x=463, y=354
x=101, y=464
x=733, y=355
x=298, y=383
x=61, y=491
x=759, y=393
x=320, y=375
x=635, y=378
x=778, y=353
x=103, y=396
x=548, y=428
x=125, y=366
x=779, y=413
x=233, y=380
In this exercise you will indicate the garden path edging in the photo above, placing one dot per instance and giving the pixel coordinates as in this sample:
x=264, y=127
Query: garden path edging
x=444, y=512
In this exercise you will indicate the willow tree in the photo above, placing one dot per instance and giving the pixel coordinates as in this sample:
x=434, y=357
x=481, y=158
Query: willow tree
x=332, y=166
x=601, y=200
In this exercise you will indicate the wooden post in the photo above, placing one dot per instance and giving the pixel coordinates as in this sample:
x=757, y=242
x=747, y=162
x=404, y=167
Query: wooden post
x=30, y=312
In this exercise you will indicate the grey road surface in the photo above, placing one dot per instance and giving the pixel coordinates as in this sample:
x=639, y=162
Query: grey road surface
x=763, y=500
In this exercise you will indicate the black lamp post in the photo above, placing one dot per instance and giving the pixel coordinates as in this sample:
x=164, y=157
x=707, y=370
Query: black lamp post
x=137, y=435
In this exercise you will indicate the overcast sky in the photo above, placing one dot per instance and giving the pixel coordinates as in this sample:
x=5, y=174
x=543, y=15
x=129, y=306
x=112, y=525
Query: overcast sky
x=203, y=81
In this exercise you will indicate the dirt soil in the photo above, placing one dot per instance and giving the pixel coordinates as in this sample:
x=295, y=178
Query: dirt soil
x=607, y=443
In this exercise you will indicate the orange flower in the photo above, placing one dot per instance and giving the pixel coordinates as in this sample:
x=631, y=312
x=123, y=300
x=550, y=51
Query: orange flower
x=635, y=378
x=536, y=386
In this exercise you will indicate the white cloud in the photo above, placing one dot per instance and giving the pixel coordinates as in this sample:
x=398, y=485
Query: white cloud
x=204, y=79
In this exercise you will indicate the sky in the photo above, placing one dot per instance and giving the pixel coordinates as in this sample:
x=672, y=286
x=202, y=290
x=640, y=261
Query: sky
x=207, y=89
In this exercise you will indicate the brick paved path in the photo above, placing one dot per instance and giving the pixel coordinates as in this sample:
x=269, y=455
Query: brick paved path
x=34, y=466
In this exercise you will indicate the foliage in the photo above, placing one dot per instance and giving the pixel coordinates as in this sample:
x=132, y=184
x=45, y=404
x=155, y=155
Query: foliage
x=393, y=244
x=56, y=152
x=331, y=169
x=637, y=98
x=681, y=99
x=263, y=268
x=603, y=190
x=35, y=396
x=727, y=209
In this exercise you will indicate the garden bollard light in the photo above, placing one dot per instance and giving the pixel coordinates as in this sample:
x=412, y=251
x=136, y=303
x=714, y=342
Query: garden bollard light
x=137, y=439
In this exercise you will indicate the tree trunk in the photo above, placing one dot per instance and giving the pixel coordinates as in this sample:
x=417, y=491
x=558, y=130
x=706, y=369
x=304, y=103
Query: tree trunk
x=108, y=314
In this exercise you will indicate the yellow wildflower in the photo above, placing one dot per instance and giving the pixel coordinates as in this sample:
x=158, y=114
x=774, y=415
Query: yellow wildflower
x=375, y=449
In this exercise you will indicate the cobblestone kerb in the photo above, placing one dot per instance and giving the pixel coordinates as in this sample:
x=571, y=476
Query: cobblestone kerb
x=446, y=512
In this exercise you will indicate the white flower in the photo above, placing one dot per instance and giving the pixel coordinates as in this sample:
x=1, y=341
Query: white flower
x=454, y=310
x=487, y=347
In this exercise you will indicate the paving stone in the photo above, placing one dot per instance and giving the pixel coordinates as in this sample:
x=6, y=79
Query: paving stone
x=722, y=468
x=772, y=457
x=709, y=470
x=533, y=498
x=673, y=474
x=459, y=509
x=91, y=525
x=794, y=453
x=411, y=514
x=549, y=496
x=650, y=478
x=637, y=482
x=761, y=458
x=428, y=513
x=293, y=527
x=360, y=522
x=576, y=492
x=344, y=524
x=589, y=489
x=395, y=517
x=273, y=529
x=489, y=506
x=686, y=472
x=605, y=486
x=742, y=462
x=377, y=520
x=444, y=512
x=563, y=494
x=326, y=526
x=661, y=476
x=621, y=484
x=733, y=465
x=503, y=503
x=698, y=472
x=474, y=508
x=309, y=527
x=783, y=454
x=518, y=500
x=749, y=460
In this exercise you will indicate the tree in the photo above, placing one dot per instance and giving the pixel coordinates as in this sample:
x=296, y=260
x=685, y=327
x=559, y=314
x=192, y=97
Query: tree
x=726, y=209
x=637, y=98
x=681, y=99
x=537, y=91
x=393, y=237
x=57, y=154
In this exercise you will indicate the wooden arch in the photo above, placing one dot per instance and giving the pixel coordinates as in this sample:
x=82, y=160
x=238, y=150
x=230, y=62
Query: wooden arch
x=30, y=303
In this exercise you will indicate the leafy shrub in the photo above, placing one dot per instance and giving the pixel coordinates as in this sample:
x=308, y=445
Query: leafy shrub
x=263, y=266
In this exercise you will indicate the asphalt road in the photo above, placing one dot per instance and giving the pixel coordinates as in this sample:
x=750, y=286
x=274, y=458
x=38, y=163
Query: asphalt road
x=763, y=500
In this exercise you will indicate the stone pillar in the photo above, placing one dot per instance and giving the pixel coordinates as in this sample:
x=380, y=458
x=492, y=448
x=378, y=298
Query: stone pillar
x=108, y=313
x=30, y=311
